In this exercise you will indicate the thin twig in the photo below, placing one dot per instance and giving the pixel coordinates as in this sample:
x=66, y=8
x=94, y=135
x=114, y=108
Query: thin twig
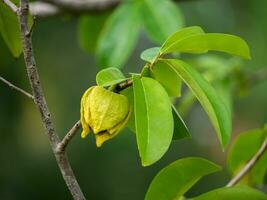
x=11, y=5
x=41, y=103
x=63, y=144
x=123, y=85
x=249, y=165
x=12, y=86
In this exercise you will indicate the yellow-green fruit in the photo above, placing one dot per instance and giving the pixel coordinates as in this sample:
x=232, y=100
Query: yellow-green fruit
x=105, y=112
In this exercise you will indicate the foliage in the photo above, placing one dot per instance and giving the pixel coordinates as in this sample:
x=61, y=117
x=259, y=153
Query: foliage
x=9, y=29
x=143, y=101
x=155, y=119
x=245, y=146
x=178, y=177
x=152, y=91
x=106, y=30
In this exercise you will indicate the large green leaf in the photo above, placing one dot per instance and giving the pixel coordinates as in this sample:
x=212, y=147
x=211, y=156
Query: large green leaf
x=178, y=177
x=109, y=76
x=168, y=78
x=89, y=29
x=161, y=18
x=180, y=35
x=153, y=119
x=210, y=41
x=211, y=102
x=9, y=29
x=180, y=130
x=233, y=193
x=119, y=35
x=245, y=147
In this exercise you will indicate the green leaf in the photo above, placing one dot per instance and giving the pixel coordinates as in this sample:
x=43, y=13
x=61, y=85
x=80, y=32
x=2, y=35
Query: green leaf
x=149, y=55
x=161, y=18
x=233, y=193
x=109, y=76
x=178, y=177
x=119, y=35
x=180, y=35
x=180, y=129
x=89, y=29
x=153, y=119
x=9, y=29
x=211, y=41
x=245, y=147
x=168, y=78
x=128, y=92
x=211, y=102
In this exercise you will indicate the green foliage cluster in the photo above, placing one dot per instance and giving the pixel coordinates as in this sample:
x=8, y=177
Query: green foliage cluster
x=105, y=31
x=155, y=119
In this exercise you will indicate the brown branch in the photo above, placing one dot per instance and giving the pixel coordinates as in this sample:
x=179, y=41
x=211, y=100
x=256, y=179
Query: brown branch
x=249, y=165
x=12, y=86
x=63, y=144
x=42, y=9
x=11, y=5
x=84, y=5
x=48, y=8
x=41, y=103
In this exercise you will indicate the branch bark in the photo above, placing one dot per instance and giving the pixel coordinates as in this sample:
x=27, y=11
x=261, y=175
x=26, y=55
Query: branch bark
x=63, y=144
x=12, y=86
x=49, y=8
x=249, y=165
x=41, y=103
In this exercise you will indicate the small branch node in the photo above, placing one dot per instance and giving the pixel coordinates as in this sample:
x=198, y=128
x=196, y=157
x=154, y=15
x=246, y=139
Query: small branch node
x=29, y=33
x=64, y=143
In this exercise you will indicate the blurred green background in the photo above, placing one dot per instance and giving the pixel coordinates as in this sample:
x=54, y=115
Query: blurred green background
x=27, y=166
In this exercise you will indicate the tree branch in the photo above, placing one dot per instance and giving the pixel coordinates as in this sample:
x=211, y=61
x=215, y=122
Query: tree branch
x=249, y=165
x=42, y=9
x=12, y=86
x=63, y=144
x=11, y=5
x=49, y=8
x=41, y=103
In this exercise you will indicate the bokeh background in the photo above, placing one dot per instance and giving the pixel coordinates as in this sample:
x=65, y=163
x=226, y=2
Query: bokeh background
x=27, y=166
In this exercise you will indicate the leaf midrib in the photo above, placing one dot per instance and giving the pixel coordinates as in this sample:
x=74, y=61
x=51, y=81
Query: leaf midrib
x=147, y=117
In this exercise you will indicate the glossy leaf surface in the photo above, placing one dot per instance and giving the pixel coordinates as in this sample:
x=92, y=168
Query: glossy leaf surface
x=109, y=76
x=178, y=177
x=161, y=18
x=119, y=36
x=201, y=43
x=9, y=29
x=153, y=119
x=233, y=193
x=211, y=102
